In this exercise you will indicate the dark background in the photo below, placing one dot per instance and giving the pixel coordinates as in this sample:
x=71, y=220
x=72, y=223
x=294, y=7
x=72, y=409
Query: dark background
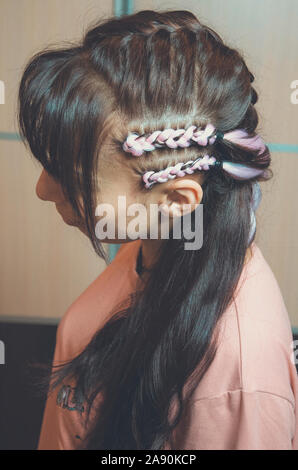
x=21, y=409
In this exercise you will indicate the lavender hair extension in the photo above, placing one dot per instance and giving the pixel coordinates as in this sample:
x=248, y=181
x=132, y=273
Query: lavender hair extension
x=137, y=145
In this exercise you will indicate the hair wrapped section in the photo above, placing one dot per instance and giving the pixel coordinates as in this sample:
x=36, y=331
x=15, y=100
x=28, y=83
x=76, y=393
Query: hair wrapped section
x=180, y=169
x=137, y=145
x=175, y=138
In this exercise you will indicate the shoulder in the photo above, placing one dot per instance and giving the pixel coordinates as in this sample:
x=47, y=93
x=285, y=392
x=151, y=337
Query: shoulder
x=238, y=420
x=88, y=313
x=259, y=307
x=258, y=294
x=265, y=334
x=254, y=346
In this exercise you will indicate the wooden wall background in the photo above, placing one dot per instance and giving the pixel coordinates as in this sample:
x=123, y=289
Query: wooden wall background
x=45, y=264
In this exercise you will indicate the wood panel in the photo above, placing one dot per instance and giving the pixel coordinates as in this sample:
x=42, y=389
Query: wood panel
x=45, y=264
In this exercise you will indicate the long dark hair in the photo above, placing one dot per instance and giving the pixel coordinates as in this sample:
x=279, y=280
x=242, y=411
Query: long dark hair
x=142, y=72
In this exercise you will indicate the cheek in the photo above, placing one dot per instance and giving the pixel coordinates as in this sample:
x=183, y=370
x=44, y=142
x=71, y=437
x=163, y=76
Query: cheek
x=138, y=218
x=120, y=205
x=121, y=218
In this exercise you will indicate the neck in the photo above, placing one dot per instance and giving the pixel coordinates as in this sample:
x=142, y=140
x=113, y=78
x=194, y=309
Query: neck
x=150, y=252
x=248, y=255
x=150, y=249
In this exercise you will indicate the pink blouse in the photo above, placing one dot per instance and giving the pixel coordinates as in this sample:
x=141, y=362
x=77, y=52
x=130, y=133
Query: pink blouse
x=248, y=397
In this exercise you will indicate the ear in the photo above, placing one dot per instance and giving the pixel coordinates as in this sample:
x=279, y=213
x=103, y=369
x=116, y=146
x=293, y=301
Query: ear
x=181, y=197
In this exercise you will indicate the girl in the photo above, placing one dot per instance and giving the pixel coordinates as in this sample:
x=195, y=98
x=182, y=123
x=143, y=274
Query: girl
x=169, y=348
